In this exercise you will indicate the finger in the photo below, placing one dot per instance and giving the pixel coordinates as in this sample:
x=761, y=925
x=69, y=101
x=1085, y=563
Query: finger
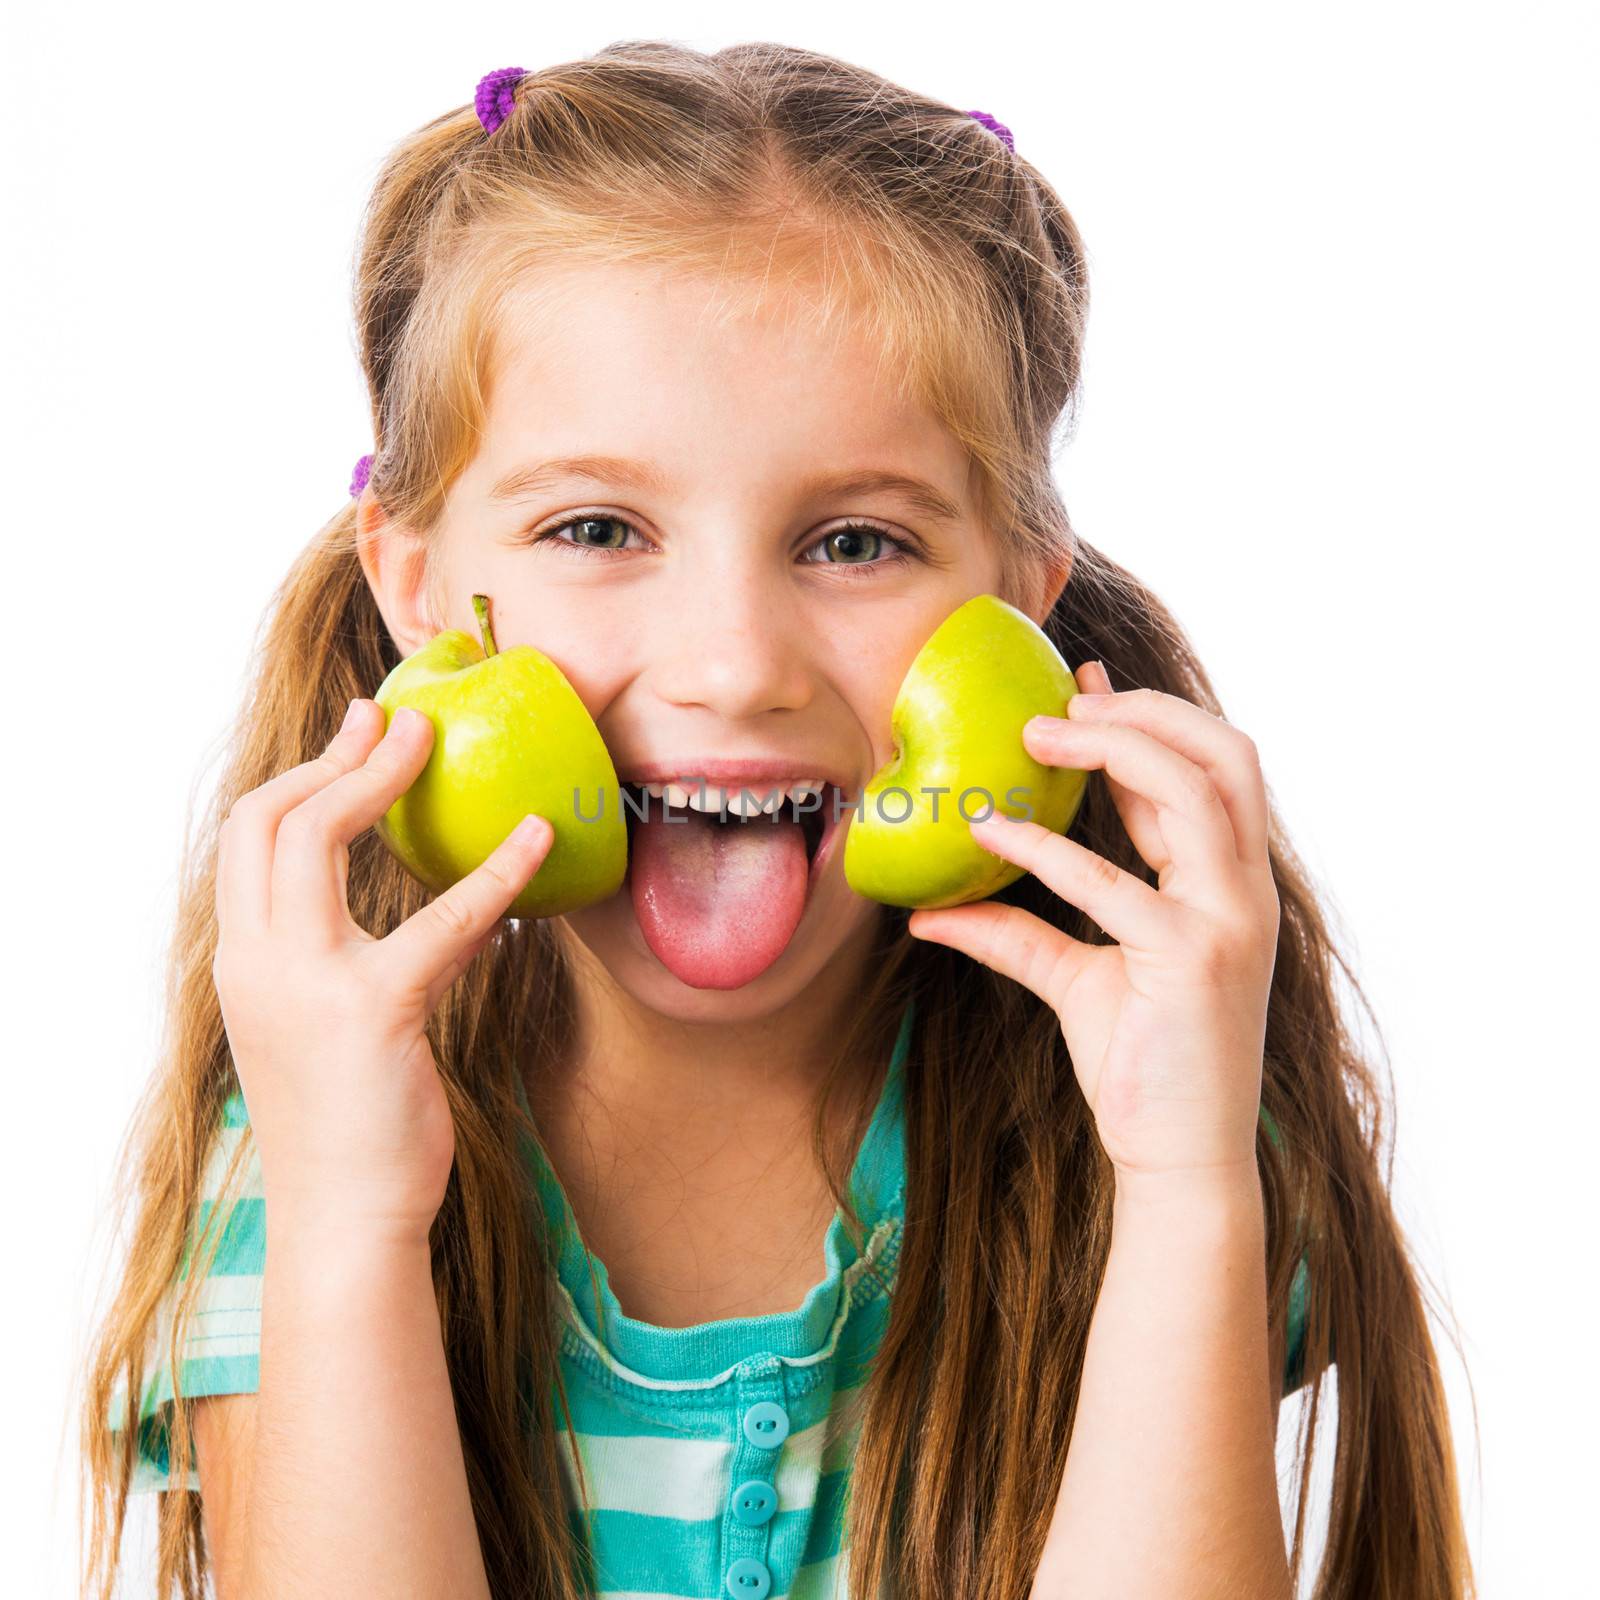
x=1197, y=843
x=247, y=840
x=307, y=895
x=432, y=947
x=1009, y=940
x=1127, y=908
x=1227, y=755
x=1138, y=815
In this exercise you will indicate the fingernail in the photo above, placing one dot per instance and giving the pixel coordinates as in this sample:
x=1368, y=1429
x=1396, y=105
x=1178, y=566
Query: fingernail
x=528, y=829
x=350, y=715
x=1040, y=723
x=404, y=720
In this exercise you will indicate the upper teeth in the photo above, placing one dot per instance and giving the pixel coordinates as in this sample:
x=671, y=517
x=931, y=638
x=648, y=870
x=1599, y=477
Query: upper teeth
x=751, y=801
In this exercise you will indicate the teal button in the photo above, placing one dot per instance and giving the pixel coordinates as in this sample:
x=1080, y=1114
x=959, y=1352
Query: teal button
x=749, y=1579
x=766, y=1425
x=754, y=1502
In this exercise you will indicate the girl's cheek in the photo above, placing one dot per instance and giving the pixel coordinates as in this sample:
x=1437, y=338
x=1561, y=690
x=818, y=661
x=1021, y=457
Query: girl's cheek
x=878, y=667
x=594, y=644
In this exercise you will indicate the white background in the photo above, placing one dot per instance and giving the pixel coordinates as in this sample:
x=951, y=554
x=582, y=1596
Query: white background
x=1339, y=410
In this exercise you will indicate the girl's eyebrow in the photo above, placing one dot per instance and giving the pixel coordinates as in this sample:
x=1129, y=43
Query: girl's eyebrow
x=916, y=492
x=598, y=469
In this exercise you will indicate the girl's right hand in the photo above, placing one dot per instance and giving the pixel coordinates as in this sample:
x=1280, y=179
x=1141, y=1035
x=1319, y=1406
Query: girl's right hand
x=326, y=1023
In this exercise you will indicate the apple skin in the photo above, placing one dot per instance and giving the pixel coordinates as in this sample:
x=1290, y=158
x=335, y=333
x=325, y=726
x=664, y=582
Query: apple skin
x=510, y=736
x=957, y=723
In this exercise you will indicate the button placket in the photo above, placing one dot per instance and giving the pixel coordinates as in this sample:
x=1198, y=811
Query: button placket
x=760, y=1425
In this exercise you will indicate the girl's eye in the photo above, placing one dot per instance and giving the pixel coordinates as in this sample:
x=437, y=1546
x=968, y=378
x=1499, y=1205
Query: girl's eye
x=852, y=547
x=591, y=533
x=855, y=545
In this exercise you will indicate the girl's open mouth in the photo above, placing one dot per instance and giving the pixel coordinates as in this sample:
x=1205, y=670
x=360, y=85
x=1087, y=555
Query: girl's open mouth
x=719, y=895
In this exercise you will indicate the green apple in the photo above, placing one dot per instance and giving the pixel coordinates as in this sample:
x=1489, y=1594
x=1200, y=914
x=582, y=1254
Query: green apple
x=957, y=725
x=510, y=736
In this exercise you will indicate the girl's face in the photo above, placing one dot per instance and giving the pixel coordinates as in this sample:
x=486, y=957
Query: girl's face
x=695, y=519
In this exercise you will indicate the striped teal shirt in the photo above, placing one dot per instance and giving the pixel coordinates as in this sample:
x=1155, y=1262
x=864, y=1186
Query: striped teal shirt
x=717, y=1456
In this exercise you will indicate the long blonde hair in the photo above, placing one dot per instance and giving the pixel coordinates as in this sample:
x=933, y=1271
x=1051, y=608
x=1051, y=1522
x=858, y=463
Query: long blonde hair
x=967, y=265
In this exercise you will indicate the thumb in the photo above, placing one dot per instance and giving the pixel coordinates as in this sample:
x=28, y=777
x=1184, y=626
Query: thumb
x=434, y=946
x=441, y=985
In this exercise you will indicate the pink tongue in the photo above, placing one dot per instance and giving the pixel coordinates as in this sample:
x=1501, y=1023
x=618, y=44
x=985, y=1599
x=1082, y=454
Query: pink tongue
x=717, y=901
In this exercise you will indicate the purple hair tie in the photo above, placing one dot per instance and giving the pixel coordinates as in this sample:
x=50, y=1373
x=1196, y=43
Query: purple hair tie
x=996, y=127
x=496, y=97
x=358, y=479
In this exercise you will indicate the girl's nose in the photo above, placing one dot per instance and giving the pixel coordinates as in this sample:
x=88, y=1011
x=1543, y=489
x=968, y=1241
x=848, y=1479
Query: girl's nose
x=738, y=649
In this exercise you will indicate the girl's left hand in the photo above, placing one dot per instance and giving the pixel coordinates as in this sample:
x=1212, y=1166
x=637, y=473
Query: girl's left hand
x=1167, y=1026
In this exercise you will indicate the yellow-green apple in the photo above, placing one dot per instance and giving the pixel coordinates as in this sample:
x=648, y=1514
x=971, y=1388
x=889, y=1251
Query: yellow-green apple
x=510, y=736
x=957, y=726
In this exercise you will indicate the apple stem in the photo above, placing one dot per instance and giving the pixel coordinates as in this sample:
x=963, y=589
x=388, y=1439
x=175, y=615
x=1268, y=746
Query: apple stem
x=480, y=605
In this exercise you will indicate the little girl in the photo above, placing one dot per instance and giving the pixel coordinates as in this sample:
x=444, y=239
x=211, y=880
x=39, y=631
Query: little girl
x=735, y=1234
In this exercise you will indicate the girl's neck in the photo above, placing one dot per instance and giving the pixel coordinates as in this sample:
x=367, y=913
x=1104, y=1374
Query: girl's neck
x=685, y=1101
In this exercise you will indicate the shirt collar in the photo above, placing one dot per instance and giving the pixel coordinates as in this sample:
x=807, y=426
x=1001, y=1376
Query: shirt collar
x=703, y=1353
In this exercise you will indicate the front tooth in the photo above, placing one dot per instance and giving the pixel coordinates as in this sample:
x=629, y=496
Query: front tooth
x=806, y=790
x=745, y=803
x=677, y=795
x=706, y=799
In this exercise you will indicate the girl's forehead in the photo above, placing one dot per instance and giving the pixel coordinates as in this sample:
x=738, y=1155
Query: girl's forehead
x=620, y=356
x=659, y=313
